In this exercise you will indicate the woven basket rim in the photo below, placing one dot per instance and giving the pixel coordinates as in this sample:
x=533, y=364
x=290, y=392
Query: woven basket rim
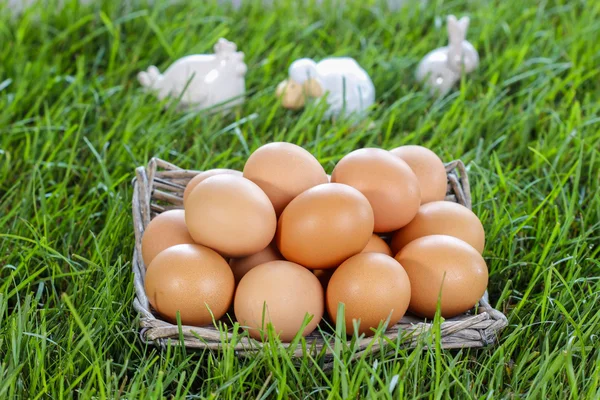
x=159, y=186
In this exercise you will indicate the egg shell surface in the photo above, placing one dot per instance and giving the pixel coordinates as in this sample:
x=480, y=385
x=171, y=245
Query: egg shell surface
x=441, y=263
x=231, y=215
x=324, y=226
x=204, y=175
x=283, y=171
x=377, y=245
x=286, y=292
x=191, y=279
x=373, y=287
x=241, y=266
x=442, y=218
x=387, y=182
x=165, y=230
x=428, y=168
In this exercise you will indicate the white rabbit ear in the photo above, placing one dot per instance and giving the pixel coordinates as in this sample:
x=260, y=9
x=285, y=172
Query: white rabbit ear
x=219, y=45
x=464, y=25
x=223, y=45
x=303, y=69
x=456, y=35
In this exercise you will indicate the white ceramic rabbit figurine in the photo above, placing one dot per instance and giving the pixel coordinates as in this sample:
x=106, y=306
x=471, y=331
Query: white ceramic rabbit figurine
x=443, y=67
x=203, y=80
x=348, y=87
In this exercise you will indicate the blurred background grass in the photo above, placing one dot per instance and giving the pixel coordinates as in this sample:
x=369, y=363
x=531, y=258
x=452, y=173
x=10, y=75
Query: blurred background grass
x=74, y=124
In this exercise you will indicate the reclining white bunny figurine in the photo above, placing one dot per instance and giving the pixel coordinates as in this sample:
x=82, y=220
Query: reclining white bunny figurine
x=443, y=67
x=203, y=80
x=348, y=87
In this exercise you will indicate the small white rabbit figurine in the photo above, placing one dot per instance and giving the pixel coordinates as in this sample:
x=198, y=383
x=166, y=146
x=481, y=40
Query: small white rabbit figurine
x=348, y=87
x=441, y=68
x=203, y=80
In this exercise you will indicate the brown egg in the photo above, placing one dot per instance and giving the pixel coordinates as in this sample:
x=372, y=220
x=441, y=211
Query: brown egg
x=191, y=279
x=165, y=230
x=204, y=175
x=442, y=218
x=324, y=226
x=240, y=266
x=231, y=215
x=387, y=181
x=429, y=168
x=373, y=288
x=324, y=275
x=443, y=263
x=286, y=291
x=283, y=171
x=377, y=245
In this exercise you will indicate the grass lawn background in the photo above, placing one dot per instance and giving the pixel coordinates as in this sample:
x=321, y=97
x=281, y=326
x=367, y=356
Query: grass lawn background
x=74, y=124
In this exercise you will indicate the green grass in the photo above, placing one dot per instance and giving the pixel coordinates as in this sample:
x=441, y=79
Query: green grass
x=74, y=124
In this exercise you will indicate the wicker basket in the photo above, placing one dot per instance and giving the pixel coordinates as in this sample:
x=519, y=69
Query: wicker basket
x=159, y=187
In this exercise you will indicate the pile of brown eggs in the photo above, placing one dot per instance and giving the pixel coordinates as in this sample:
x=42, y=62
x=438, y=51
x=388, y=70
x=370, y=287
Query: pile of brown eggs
x=282, y=240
